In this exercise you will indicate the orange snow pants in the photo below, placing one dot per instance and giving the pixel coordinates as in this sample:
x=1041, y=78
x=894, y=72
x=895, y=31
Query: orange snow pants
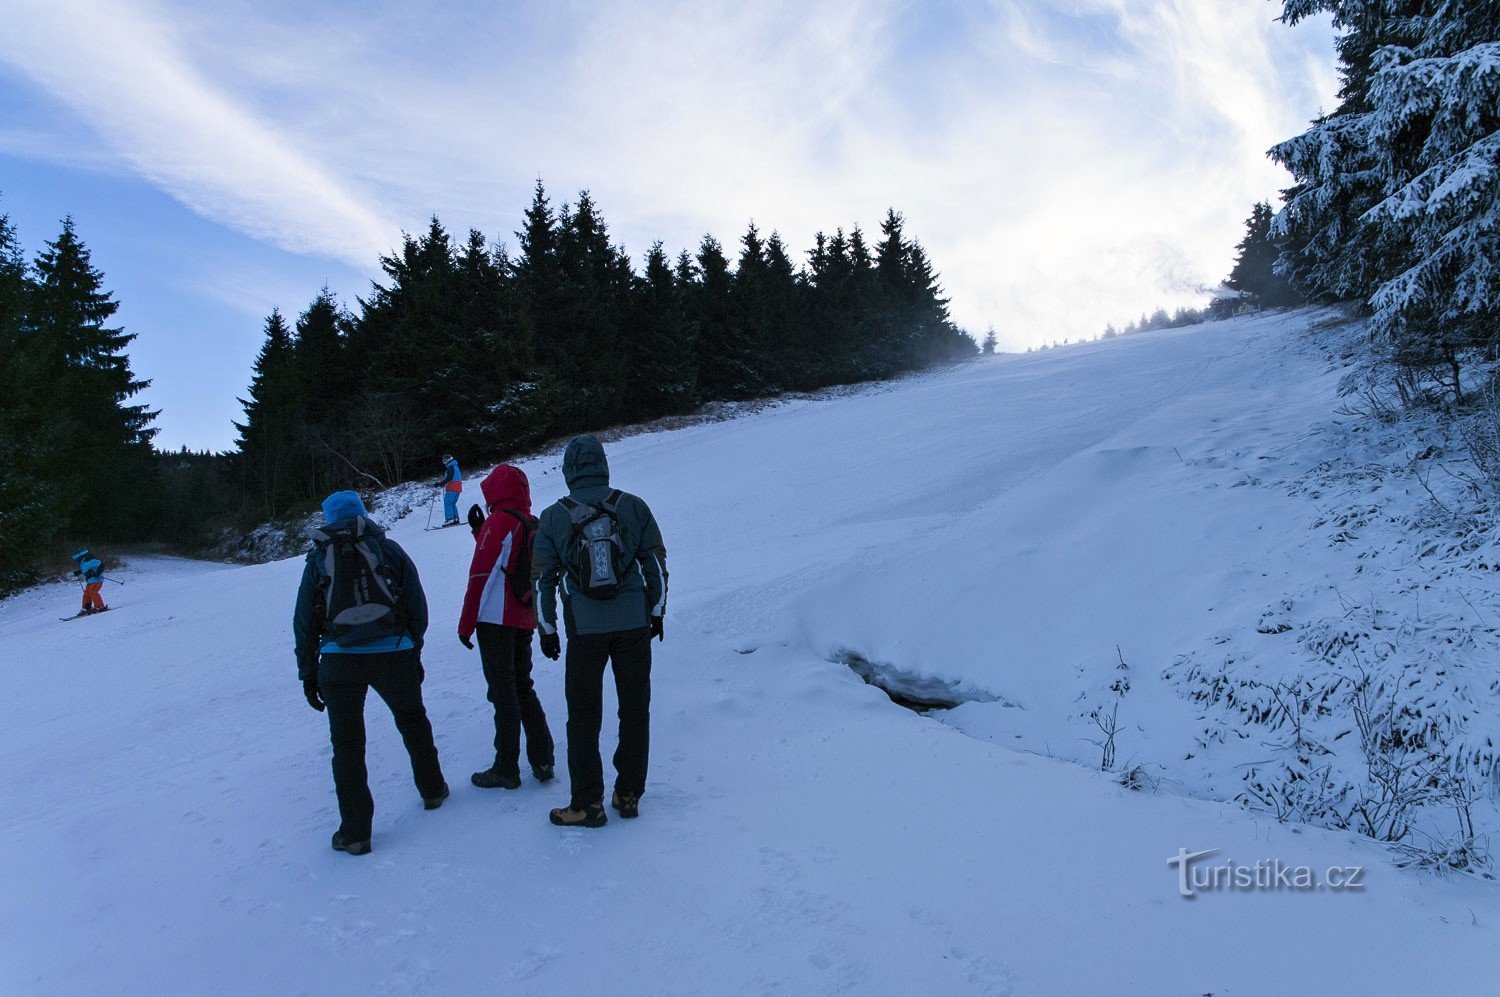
x=91, y=597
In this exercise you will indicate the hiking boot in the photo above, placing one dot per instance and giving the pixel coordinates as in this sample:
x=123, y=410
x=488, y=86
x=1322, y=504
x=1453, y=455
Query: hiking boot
x=588, y=815
x=493, y=778
x=348, y=846
x=433, y=802
x=629, y=804
x=543, y=773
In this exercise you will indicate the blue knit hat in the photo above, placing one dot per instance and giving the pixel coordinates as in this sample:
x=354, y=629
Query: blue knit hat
x=81, y=554
x=343, y=505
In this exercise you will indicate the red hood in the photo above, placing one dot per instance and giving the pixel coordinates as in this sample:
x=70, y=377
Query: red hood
x=506, y=487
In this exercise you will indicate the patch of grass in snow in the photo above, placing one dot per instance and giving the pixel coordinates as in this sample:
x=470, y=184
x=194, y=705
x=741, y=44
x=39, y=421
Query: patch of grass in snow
x=1379, y=714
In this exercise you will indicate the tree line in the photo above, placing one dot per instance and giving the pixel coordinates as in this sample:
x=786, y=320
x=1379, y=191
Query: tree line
x=460, y=346
x=465, y=347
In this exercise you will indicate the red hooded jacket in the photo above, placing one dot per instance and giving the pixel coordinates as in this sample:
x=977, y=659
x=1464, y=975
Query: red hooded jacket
x=489, y=598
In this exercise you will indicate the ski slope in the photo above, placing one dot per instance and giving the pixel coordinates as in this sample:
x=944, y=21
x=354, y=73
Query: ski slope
x=994, y=531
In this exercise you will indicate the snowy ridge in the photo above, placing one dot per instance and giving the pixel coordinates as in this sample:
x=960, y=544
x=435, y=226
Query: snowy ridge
x=1056, y=530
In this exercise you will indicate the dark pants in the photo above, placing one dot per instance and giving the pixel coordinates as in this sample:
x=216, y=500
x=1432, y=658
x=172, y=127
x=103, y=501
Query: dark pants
x=588, y=654
x=506, y=655
x=397, y=678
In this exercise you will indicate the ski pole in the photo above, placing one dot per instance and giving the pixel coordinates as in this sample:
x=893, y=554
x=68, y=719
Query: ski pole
x=109, y=579
x=429, y=511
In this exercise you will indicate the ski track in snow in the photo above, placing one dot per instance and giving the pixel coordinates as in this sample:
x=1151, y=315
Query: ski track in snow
x=1002, y=525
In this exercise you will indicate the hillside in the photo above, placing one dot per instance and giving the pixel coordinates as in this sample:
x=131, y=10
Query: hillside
x=1001, y=535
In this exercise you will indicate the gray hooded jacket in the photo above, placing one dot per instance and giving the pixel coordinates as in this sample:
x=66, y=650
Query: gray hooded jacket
x=643, y=591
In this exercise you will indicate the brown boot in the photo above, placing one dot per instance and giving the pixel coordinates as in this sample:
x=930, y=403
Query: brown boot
x=628, y=804
x=589, y=815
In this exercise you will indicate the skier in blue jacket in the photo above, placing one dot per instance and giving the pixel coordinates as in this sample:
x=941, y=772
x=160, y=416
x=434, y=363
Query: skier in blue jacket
x=91, y=570
x=452, y=486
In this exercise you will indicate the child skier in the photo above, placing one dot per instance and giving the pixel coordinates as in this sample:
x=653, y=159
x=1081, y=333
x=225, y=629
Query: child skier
x=92, y=572
x=452, y=486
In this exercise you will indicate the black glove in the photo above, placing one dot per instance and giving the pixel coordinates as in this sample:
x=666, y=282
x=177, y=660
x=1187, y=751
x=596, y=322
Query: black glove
x=476, y=518
x=657, y=623
x=466, y=641
x=551, y=646
x=314, y=697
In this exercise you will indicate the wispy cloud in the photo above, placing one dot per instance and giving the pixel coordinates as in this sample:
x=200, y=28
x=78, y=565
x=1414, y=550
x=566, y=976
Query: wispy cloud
x=119, y=68
x=1067, y=163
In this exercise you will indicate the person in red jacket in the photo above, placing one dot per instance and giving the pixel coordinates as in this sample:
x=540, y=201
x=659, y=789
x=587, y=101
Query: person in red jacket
x=504, y=621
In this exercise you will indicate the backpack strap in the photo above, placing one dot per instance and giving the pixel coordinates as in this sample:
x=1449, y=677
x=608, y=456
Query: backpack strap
x=524, y=522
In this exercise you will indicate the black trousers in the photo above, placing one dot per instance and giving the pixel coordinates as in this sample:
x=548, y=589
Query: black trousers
x=505, y=653
x=396, y=678
x=630, y=653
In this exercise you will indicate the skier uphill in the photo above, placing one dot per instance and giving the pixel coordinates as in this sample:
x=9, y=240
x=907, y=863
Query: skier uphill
x=603, y=547
x=498, y=605
x=359, y=622
x=91, y=570
x=452, y=486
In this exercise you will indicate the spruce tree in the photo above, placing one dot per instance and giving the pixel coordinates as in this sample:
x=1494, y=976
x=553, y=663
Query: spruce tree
x=90, y=436
x=541, y=303
x=596, y=282
x=27, y=518
x=1397, y=199
x=410, y=345
x=268, y=435
x=325, y=385
x=834, y=317
x=661, y=362
x=724, y=362
x=1254, y=271
x=748, y=359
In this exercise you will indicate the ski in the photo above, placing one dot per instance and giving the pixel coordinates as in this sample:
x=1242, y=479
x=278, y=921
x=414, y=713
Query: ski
x=445, y=526
x=77, y=616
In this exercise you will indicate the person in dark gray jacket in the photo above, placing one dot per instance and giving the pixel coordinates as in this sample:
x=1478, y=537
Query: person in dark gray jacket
x=603, y=549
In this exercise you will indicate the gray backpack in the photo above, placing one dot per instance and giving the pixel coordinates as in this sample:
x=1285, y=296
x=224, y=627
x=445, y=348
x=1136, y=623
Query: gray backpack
x=361, y=596
x=595, y=558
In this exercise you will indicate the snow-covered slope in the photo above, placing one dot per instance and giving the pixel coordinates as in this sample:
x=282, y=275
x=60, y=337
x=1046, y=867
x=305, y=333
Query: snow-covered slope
x=993, y=531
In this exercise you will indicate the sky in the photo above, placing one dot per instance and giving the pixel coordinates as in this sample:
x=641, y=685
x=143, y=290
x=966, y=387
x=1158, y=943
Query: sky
x=1066, y=163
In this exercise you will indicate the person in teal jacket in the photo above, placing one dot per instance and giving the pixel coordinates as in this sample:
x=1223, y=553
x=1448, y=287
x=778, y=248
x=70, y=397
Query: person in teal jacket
x=337, y=674
x=91, y=570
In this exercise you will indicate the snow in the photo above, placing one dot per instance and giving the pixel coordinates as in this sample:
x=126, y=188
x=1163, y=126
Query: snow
x=997, y=529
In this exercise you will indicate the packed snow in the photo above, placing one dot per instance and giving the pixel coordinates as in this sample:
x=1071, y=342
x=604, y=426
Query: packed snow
x=1048, y=540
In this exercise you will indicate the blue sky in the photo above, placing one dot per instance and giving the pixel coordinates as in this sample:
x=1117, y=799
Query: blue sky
x=1066, y=162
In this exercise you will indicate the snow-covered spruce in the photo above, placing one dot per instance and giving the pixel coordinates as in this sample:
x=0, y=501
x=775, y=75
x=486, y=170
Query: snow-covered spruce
x=1398, y=193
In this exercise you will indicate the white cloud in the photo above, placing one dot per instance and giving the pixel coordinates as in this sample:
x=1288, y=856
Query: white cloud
x=1067, y=163
x=119, y=69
